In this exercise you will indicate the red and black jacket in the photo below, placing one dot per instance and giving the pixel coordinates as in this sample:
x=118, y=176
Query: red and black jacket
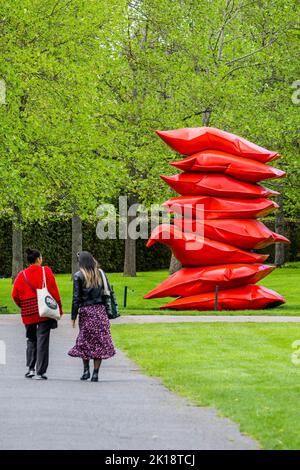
x=25, y=297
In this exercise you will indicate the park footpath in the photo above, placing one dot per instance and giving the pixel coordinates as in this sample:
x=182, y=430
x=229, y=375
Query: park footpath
x=124, y=410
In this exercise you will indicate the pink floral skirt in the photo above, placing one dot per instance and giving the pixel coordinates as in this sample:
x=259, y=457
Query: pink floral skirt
x=94, y=339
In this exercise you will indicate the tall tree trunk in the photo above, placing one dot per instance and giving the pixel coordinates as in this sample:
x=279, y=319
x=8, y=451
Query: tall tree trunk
x=17, y=246
x=206, y=117
x=76, y=241
x=130, y=245
x=279, y=228
x=17, y=235
x=175, y=265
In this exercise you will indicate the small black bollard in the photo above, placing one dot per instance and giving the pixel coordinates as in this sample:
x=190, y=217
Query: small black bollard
x=216, y=298
x=125, y=296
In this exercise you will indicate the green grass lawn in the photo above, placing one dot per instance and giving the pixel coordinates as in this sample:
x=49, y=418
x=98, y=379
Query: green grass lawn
x=285, y=281
x=243, y=370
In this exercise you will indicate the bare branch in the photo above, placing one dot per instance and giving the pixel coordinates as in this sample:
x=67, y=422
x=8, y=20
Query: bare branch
x=258, y=64
x=270, y=43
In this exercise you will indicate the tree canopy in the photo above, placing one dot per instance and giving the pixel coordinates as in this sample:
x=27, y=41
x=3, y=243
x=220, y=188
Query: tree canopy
x=89, y=82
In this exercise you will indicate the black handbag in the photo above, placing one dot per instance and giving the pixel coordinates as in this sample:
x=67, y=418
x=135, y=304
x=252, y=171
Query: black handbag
x=110, y=299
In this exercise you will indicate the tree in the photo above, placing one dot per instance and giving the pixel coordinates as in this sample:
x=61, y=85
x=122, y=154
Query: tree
x=87, y=87
x=50, y=134
x=180, y=64
x=131, y=83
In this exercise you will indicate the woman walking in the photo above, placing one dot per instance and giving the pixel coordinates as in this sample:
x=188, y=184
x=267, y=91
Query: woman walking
x=37, y=328
x=94, y=339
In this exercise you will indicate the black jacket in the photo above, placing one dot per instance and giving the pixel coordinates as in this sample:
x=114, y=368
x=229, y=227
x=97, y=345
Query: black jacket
x=83, y=295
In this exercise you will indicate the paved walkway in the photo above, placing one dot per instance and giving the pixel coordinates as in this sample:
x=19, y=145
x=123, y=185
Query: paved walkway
x=125, y=410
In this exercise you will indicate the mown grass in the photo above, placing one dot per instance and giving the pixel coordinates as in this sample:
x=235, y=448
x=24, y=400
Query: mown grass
x=285, y=281
x=243, y=370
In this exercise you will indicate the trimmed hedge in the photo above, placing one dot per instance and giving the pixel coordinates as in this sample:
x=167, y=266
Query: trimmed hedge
x=54, y=241
x=292, y=251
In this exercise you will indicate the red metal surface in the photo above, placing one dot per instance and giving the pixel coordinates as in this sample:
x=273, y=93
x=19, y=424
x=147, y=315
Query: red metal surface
x=250, y=297
x=193, y=250
x=220, y=198
x=196, y=139
x=247, y=234
x=215, y=161
x=192, y=281
x=221, y=208
x=217, y=184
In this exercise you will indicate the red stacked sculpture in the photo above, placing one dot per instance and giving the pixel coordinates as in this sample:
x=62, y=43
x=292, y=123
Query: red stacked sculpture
x=219, y=186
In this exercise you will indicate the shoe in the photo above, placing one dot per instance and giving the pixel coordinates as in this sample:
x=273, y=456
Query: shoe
x=86, y=374
x=30, y=374
x=41, y=377
x=94, y=376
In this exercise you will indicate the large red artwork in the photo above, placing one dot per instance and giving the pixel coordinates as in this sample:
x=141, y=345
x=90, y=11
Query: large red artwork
x=249, y=297
x=194, y=250
x=221, y=208
x=214, y=161
x=218, y=187
x=209, y=184
x=196, y=139
x=248, y=234
x=193, y=281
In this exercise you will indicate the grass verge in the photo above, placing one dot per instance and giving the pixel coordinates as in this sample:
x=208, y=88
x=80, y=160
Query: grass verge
x=243, y=370
x=284, y=280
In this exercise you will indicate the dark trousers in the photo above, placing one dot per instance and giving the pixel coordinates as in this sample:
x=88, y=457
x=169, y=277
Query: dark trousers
x=37, y=353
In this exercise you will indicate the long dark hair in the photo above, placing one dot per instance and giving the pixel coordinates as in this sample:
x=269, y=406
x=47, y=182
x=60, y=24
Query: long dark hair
x=89, y=268
x=32, y=255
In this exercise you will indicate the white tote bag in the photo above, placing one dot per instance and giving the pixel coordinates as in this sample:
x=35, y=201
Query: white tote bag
x=48, y=307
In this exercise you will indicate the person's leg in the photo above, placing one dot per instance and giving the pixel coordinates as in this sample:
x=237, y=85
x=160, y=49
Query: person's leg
x=97, y=364
x=43, y=336
x=31, y=349
x=86, y=370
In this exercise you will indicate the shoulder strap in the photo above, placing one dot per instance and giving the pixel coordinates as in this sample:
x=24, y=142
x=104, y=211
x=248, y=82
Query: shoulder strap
x=104, y=280
x=44, y=278
x=44, y=284
x=29, y=283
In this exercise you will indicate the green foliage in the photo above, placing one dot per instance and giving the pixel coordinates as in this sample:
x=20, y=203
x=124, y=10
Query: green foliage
x=87, y=86
x=49, y=133
x=53, y=239
x=179, y=64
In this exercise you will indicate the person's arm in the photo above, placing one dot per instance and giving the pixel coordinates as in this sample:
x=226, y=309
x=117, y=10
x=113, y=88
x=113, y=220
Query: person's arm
x=76, y=296
x=15, y=292
x=52, y=287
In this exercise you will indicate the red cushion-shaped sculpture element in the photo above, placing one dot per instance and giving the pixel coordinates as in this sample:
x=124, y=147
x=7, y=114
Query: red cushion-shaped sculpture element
x=246, y=233
x=220, y=208
x=208, y=184
x=250, y=297
x=196, y=139
x=193, y=250
x=193, y=281
x=214, y=161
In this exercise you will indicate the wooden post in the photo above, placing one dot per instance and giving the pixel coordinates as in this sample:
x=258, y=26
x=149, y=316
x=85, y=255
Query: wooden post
x=125, y=296
x=216, y=298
